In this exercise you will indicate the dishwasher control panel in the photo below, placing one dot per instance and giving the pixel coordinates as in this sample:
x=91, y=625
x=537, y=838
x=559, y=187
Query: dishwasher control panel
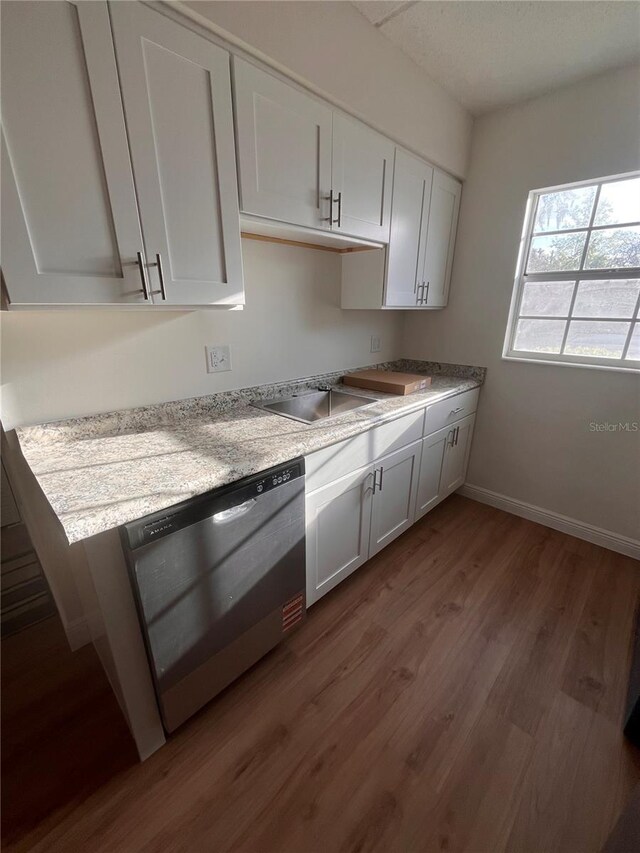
x=283, y=475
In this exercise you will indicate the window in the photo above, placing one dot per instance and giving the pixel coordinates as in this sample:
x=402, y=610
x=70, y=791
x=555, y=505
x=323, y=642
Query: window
x=577, y=294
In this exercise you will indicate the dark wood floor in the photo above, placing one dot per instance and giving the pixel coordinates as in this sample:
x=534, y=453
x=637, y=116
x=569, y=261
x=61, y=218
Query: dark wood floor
x=463, y=691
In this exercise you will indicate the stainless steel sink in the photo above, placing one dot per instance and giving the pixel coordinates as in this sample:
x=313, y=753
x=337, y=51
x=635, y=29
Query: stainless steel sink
x=314, y=405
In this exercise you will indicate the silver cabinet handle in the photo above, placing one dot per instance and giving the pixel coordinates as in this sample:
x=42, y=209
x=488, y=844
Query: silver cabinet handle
x=451, y=435
x=338, y=201
x=381, y=473
x=457, y=434
x=423, y=293
x=377, y=485
x=332, y=201
x=455, y=411
x=329, y=218
x=161, y=276
x=142, y=267
x=375, y=479
x=419, y=293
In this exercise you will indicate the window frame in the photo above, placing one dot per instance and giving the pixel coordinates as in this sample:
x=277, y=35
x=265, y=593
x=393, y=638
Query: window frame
x=521, y=278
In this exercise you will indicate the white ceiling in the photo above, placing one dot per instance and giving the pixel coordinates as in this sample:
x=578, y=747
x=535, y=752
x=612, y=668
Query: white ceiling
x=498, y=52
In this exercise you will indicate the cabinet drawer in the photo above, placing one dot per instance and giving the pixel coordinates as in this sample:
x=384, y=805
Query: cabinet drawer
x=326, y=465
x=452, y=409
x=392, y=436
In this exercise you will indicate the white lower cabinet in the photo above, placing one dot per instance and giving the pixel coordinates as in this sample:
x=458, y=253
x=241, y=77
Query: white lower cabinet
x=456, y=457
x=396, y=483
x=445, y=455
x=338, y=525
x=354, y=516
x=434, y=448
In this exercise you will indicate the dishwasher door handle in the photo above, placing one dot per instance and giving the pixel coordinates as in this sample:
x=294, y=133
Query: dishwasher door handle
x=233, y=512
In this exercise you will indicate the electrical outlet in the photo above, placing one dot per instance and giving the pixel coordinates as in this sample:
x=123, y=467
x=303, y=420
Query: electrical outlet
x=375, y=343
x=218, y=358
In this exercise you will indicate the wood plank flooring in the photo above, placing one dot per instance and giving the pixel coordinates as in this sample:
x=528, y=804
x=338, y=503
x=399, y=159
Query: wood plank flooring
x=464, y=691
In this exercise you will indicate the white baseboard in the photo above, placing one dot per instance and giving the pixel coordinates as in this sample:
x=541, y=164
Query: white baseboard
x=78, y=633
x=596, y=535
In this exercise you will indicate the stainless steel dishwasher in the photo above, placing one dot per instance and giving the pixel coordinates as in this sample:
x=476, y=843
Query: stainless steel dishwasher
x=218, y=581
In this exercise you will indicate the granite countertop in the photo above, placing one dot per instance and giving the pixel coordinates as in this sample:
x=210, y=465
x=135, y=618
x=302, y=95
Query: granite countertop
x=101, y=471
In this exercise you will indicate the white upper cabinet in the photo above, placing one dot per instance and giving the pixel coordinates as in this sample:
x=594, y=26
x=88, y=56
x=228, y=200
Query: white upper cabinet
x=99, y=210
x=70, y=229
x=284, y=149
x=441, y=235
x=362, y=175
x=176, y=89
x=419, y=256
x=304, y=164
x=120, y=183
x=412, y=180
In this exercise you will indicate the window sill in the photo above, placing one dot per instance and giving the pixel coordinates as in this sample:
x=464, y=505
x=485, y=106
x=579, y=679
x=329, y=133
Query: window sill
x=556, y=363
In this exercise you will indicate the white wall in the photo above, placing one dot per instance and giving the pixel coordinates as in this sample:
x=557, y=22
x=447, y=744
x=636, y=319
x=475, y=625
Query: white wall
x=58, y=364
x=336, y=50
x=533, y=441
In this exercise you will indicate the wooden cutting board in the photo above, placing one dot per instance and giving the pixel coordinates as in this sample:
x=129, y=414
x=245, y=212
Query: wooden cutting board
x=388, y=380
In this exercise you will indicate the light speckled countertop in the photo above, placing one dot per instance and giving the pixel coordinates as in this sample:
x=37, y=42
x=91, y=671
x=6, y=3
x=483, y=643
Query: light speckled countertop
x=99, y=472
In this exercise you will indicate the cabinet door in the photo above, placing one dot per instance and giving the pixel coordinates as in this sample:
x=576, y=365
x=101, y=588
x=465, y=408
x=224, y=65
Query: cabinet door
x=70, y=229
x=338, y=524
x=454, y=470
x=434, y=450
x=362, y=174
x=395, y=497
x=284, y=149
x=441, y=235
x=407, y=238
x=177, y=95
